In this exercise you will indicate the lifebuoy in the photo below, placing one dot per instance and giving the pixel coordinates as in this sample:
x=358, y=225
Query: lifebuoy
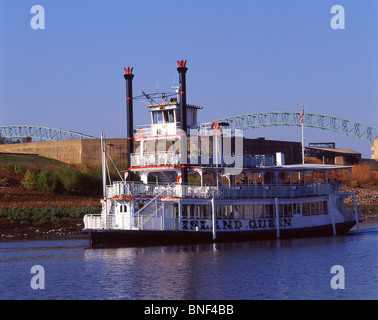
x=178, y=180
x=140, y=133
x=215, y=126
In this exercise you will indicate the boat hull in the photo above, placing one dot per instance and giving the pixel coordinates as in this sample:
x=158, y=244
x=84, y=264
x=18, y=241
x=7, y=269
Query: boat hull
x=126, y=238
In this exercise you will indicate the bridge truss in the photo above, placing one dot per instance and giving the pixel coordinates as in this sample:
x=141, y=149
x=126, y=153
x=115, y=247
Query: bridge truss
x=312, y=120
x=37, y=133
x=244, y=122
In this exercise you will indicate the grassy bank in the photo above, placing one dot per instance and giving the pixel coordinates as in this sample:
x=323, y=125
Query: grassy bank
x=33, y=222
x=40, y=216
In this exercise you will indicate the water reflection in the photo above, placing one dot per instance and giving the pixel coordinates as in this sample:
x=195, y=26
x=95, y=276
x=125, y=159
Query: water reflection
x=217, y=271
x=277, y=269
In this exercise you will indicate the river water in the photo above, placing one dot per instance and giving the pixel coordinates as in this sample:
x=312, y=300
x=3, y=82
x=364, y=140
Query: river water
x=279, y=269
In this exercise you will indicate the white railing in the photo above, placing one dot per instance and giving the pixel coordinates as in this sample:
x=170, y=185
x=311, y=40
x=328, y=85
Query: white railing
x=159, y=158
x=240, y=191
x=93, y=221
x=155, y=159
x=348, y=213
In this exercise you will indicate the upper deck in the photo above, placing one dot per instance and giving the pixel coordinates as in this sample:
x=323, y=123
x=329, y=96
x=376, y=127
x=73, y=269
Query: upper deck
x=290, y=181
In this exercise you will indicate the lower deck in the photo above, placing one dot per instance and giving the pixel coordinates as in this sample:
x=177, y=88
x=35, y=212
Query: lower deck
x=116, y=238
x=221, y=216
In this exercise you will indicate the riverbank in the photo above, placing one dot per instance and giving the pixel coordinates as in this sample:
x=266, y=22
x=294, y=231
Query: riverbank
x=18, y=232
x=366, y=198
x=32, y=214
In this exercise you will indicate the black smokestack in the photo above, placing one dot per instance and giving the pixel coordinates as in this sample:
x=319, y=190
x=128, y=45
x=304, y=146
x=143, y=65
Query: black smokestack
x=182, y=91
x=129, y=115
x=183, y=123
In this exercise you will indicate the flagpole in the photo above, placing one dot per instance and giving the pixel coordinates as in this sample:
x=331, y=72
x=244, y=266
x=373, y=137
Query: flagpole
x=302, y=113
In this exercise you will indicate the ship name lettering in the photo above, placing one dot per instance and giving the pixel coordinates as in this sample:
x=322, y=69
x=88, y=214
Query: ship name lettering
x=205, y=225
x=193, y=225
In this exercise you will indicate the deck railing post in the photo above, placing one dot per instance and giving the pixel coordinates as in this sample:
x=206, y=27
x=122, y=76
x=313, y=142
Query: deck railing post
x=214, y=218
x=277, y=218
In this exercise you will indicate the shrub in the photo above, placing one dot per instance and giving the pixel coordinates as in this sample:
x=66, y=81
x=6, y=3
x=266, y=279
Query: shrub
x=30, y=180
x=19, y=168
x=8, y=177
x=70, y=178
x=3, y=181
x=364, y=175
x=37, y=216
x=48, y=180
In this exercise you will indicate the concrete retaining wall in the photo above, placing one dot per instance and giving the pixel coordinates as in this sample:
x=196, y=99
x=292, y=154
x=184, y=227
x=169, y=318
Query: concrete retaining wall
x=71, y=151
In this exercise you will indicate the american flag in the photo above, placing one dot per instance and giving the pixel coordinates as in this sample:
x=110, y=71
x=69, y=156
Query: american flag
x=301, y=115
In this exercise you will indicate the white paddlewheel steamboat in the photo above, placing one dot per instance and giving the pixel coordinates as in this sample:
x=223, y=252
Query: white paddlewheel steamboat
x=190, y=183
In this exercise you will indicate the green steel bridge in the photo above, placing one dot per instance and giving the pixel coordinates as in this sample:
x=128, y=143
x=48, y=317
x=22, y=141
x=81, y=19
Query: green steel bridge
x=37, y=133
x=244, y=122
x=312, y=120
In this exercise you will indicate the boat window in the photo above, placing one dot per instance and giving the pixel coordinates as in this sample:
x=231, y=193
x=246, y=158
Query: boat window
x=218, y=210
x=285, y=210
x=165, y=114
x=154, y=117
x=206, y=212
x=248, y=211
x=306, y=209
x=296, y=208
x=281, y=208
x=203, y=212
x=171, y=117
x=227, y=212
x=188, y=211
x=323, y=209
x=160, y=116
x=269, y=211
x=258, y=211
x=314, y=208
x=238, y=212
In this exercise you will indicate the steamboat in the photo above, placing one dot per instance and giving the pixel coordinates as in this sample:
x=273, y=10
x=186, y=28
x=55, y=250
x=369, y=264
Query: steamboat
x=193, y=183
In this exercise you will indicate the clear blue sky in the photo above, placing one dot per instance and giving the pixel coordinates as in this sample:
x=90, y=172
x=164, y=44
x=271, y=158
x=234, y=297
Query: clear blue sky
x=243, y=57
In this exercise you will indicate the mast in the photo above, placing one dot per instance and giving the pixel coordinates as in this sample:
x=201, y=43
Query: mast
x=301, y=117
x=103, y=163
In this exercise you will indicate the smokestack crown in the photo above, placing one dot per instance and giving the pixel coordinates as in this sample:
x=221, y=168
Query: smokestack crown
x=128, y=73
x=182, y=66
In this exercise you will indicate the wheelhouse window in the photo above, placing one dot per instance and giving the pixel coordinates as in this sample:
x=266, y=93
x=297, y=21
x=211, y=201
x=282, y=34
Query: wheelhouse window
x=171, y=116
x=164, y=116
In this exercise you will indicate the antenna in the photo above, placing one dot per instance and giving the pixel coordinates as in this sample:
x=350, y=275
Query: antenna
x=148, y=97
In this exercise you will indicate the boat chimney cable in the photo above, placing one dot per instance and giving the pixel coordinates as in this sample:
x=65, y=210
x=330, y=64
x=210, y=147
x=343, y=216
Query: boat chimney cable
x=183, y=123
x=129, y=115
